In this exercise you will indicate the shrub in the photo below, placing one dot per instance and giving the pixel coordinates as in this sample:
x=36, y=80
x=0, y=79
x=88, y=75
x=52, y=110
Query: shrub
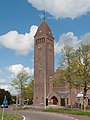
x=60, y=110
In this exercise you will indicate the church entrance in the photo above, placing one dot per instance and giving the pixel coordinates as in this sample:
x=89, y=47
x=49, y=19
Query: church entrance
x=62, y=102
x=54, y=100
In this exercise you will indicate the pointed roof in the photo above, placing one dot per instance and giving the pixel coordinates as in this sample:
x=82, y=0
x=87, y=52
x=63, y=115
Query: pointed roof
x=44, y=29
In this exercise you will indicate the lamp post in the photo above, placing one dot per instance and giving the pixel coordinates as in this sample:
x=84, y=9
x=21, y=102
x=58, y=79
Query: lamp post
x=85, y=95
x=44, y=83
x=44, y=89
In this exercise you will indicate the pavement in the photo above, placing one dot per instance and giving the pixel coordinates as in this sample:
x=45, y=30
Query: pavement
x=37, y=115
x=79, y=117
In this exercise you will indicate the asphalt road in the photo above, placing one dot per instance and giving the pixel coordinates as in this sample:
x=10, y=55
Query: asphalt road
x=36, y=115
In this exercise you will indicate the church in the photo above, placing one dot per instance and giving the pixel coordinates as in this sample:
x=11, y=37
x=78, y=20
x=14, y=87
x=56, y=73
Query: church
x=45, y=91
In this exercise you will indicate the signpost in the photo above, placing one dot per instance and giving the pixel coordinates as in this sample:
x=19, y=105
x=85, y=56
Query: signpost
x=16, y=105
x=4, y=105
x=85, y=95
x=3, y=114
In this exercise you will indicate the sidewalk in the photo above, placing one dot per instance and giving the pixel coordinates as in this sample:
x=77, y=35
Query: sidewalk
x=79, y=117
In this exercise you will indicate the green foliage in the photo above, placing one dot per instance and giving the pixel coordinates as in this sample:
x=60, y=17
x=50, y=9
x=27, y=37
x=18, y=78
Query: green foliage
x=75, y=67
x=82, y=66
x=67, y=65
x=23, y=108
x=9, y=116
x=29, y=92
x=67, y=68
x=20, y=83
x=60, y=110
x=4, y=93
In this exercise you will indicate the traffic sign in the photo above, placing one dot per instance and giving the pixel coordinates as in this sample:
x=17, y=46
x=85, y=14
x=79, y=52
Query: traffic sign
x=5, y=103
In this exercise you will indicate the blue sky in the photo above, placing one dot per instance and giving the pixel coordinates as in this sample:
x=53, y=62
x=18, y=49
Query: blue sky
x=19, y=20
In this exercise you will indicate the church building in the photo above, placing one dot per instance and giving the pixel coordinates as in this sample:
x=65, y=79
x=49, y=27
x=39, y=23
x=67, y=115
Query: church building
x=44, y=75
x=43, y=62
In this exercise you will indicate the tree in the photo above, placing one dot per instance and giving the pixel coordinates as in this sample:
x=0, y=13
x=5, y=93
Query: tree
x=29, y=91
x=82, y=67
x=82, y=63
x=20, y=83
x=75, y=67
x=67, y=68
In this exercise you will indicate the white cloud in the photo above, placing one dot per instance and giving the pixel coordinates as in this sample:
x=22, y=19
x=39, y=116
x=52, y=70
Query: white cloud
x=63, y=8
x=20, y=43
x=2, y=81
x=17, y=68
x=71, y=40
x=29, y=71
x=9, y=88
x=6, y=87
x=85, y=38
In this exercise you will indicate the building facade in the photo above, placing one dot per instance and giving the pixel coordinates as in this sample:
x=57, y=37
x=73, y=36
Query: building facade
x=43, y=62
x=44, y=75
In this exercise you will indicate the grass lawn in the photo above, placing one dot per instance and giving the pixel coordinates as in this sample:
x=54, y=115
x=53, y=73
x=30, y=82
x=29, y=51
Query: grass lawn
x=75, y=112
x=9, y=116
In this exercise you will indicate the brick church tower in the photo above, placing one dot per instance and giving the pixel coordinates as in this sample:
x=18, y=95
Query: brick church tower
x=43, y=62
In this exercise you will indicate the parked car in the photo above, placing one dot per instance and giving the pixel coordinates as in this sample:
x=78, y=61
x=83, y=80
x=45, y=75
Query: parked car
x=5, y=103
x=4, y=106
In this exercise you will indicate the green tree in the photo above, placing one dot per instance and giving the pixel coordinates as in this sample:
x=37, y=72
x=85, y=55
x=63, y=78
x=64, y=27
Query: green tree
x=29, y=91
x=67, y=68
x=20, y=83
x=75, y=67
x=82, y=63
x=82, y=68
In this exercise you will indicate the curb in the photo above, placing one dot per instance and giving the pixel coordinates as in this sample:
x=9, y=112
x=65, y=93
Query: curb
x=23, y=117
x=74, y=118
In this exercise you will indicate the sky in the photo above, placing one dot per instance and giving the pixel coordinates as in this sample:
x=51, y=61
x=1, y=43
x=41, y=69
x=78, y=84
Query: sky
x=69, y=21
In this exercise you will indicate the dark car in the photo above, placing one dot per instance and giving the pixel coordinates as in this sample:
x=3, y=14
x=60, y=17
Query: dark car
x=5, y=103
x=4, y=106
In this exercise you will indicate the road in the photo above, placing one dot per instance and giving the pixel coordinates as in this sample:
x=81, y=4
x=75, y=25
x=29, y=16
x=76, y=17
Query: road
x=37, y=115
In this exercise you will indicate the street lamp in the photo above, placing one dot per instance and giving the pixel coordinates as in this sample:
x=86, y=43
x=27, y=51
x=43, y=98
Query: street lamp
x=44, y=76
x=85, y=95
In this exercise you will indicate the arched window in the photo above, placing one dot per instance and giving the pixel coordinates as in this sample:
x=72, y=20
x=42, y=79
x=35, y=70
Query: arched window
x=55, y=100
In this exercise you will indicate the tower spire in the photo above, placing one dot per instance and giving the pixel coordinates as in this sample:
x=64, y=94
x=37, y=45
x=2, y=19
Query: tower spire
x=44, y=15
